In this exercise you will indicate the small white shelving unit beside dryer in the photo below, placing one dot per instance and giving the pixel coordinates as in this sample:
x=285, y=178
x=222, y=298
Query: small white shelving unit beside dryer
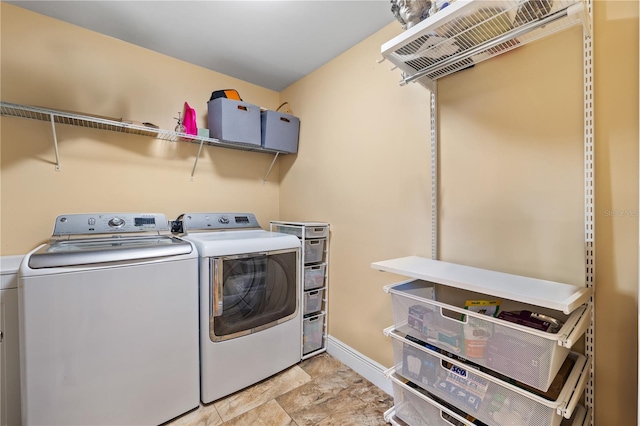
x=314, y=281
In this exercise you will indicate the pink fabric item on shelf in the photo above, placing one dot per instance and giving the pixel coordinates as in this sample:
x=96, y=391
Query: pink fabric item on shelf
x=189, y=121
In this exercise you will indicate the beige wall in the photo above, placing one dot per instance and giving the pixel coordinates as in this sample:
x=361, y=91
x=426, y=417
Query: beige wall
x=363, y=166
x=511, y=188
x=616, y=121
x=49, y=63
x=511, y=165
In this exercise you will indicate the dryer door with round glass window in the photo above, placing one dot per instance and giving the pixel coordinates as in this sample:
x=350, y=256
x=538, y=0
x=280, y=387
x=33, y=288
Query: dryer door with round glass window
x=252, y=292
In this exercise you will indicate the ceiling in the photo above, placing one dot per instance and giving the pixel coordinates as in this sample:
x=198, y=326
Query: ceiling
x=268, y=43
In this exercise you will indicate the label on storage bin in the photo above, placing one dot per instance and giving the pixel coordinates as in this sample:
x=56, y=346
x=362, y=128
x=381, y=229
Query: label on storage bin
x=466, y=387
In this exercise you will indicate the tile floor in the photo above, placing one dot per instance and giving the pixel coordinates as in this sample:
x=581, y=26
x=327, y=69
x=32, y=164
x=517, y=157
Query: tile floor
x=318, y=391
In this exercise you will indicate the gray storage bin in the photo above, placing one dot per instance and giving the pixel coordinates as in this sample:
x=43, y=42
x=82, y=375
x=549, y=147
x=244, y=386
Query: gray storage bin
x=313, y=250
x=312, y=333
x=314, y=276
x=234, y=121
x=280, y=131
x=313, y=301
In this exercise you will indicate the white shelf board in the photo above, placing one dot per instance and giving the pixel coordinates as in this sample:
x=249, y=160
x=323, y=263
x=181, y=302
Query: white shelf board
x=548, y=294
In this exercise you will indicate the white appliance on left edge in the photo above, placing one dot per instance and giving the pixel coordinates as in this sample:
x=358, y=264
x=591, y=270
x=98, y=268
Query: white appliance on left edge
x=9, y=346
x=109, y=323
x=250, y=315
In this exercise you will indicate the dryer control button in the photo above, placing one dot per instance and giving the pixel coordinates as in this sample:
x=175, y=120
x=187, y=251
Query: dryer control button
x=116, y=222
x=223, y=220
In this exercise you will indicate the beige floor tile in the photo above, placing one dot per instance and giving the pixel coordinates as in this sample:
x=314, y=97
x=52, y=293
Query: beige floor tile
x=320, y=364
x=329, y=393
x=361, y=414
x=320, y=391
x=267, y=414
x=252, y=397
x=205, y=415
x=322, y=408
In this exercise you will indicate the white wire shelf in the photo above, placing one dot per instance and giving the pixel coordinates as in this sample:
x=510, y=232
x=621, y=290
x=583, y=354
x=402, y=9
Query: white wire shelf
x=470, y=31
x=72, y=119
x=113, y=125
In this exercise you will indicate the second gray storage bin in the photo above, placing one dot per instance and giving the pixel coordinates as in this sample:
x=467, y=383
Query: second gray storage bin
x=280, y=131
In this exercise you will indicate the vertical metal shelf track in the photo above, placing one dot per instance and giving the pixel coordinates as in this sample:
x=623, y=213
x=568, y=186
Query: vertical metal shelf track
x=589, y=188
x=589, y=202
x=434, y=171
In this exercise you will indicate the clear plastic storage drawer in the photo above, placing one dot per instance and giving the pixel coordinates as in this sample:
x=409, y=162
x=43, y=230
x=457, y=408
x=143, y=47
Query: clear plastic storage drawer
x=480, y=393
x=416, y=407
x=435, y=314
x=314, y=276
x=312, y=331
x=313, y=301
x=313, y=250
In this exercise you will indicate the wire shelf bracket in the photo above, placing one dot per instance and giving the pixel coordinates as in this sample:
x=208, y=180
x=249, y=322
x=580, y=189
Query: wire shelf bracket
x=55, y=142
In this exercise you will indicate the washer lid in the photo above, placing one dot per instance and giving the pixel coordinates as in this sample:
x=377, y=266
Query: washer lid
x=108, y=249
x=226, y=243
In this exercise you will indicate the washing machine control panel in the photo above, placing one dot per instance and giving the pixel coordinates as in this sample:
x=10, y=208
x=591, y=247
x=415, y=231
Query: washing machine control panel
x=104, y=223
x=219, y=221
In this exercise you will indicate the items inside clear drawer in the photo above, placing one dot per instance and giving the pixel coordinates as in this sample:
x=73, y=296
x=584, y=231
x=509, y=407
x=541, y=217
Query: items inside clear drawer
x=527, y=345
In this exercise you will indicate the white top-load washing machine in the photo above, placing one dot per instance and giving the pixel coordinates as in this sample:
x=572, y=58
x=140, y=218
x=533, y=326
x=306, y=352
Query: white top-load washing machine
x=250, y=325
x=109, y=323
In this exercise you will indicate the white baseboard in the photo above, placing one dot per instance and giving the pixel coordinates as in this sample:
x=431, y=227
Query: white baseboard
x=363, y=365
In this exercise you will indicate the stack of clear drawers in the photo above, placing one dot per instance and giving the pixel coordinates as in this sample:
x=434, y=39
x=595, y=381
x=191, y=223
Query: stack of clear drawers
x=454, y=366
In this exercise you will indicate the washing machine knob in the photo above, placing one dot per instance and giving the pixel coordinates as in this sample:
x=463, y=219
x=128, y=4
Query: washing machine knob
x=116, y=222
x=223, y=220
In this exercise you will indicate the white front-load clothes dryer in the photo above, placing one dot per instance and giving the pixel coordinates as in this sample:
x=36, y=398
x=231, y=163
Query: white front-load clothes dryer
x=109, y=323
x=250, y=318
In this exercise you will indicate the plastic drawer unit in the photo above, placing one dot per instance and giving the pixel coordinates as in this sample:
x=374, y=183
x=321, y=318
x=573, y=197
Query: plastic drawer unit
x=417, y=407
x=313, y=301
x=314, y=276
x=483, y=394
x=314, y=281
x=312, y=333
x=432, y=313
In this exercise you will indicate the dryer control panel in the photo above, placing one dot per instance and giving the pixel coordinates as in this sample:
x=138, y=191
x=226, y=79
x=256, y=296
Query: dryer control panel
x=218, y=221
x=107, y=223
